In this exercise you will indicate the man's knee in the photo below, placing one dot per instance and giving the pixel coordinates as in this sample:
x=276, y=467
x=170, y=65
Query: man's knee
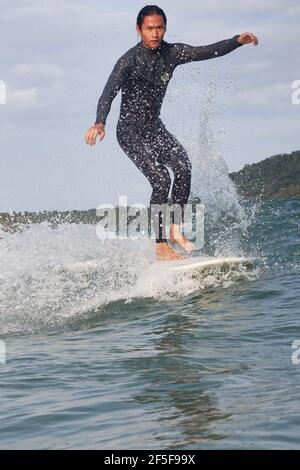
x=166, y=179
x=161, y=185
x=183, y=168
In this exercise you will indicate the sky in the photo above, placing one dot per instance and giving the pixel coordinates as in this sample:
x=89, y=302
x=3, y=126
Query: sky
x=56, y=56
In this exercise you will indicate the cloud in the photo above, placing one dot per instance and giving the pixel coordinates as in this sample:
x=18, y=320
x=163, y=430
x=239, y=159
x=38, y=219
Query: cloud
x=274, y=96
x=235, y=6
x=38, y=70
x=22, y=97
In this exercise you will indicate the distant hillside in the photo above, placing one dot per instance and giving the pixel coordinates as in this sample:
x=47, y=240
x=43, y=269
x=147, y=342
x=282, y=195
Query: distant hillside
x=274, y=177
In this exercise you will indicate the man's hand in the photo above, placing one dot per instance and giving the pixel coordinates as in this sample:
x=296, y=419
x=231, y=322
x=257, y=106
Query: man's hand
x=248, y=38
x=91, y=134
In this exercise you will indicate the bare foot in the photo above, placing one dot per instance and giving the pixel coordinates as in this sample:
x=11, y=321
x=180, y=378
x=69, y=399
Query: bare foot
x=177, y=237
x=164, y=251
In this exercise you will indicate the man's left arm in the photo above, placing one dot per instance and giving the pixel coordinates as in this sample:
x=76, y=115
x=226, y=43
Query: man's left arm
x=186, y=53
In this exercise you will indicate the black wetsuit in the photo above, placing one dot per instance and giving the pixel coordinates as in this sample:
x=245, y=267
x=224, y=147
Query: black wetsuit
x=144, y=75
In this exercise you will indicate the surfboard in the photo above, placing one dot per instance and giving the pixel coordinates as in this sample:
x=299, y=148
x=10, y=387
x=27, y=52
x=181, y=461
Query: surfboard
x=202, y=263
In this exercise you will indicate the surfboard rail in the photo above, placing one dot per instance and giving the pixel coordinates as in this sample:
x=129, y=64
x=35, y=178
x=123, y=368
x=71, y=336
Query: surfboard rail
x=198, y=263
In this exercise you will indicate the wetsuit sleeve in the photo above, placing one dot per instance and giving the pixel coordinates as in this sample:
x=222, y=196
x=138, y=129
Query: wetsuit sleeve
x=111, y=89
x=185, y=53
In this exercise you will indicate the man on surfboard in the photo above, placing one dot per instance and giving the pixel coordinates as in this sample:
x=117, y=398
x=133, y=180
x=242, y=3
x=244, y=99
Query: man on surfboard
x=143, y=73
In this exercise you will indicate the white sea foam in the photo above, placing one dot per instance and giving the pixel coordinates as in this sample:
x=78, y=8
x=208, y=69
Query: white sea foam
x=48, y=276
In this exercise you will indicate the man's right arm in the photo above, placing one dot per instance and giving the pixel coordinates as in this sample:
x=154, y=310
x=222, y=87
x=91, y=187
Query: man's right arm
x=113, y=85
x=111, y=89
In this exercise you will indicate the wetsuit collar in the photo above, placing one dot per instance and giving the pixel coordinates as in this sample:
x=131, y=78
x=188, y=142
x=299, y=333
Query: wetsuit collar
x=148, y=51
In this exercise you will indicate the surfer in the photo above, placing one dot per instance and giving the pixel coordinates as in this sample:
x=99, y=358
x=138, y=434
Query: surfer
x=143, y=73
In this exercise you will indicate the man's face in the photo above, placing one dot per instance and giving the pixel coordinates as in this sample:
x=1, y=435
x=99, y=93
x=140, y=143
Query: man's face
x=152, y=31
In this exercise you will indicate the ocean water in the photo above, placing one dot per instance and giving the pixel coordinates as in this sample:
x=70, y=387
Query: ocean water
x=103, y=353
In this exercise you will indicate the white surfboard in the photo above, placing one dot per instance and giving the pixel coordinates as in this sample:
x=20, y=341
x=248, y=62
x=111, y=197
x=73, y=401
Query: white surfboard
x=202, y=263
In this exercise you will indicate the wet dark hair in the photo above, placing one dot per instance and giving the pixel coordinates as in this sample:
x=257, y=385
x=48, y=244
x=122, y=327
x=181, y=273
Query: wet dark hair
x=150, y=10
